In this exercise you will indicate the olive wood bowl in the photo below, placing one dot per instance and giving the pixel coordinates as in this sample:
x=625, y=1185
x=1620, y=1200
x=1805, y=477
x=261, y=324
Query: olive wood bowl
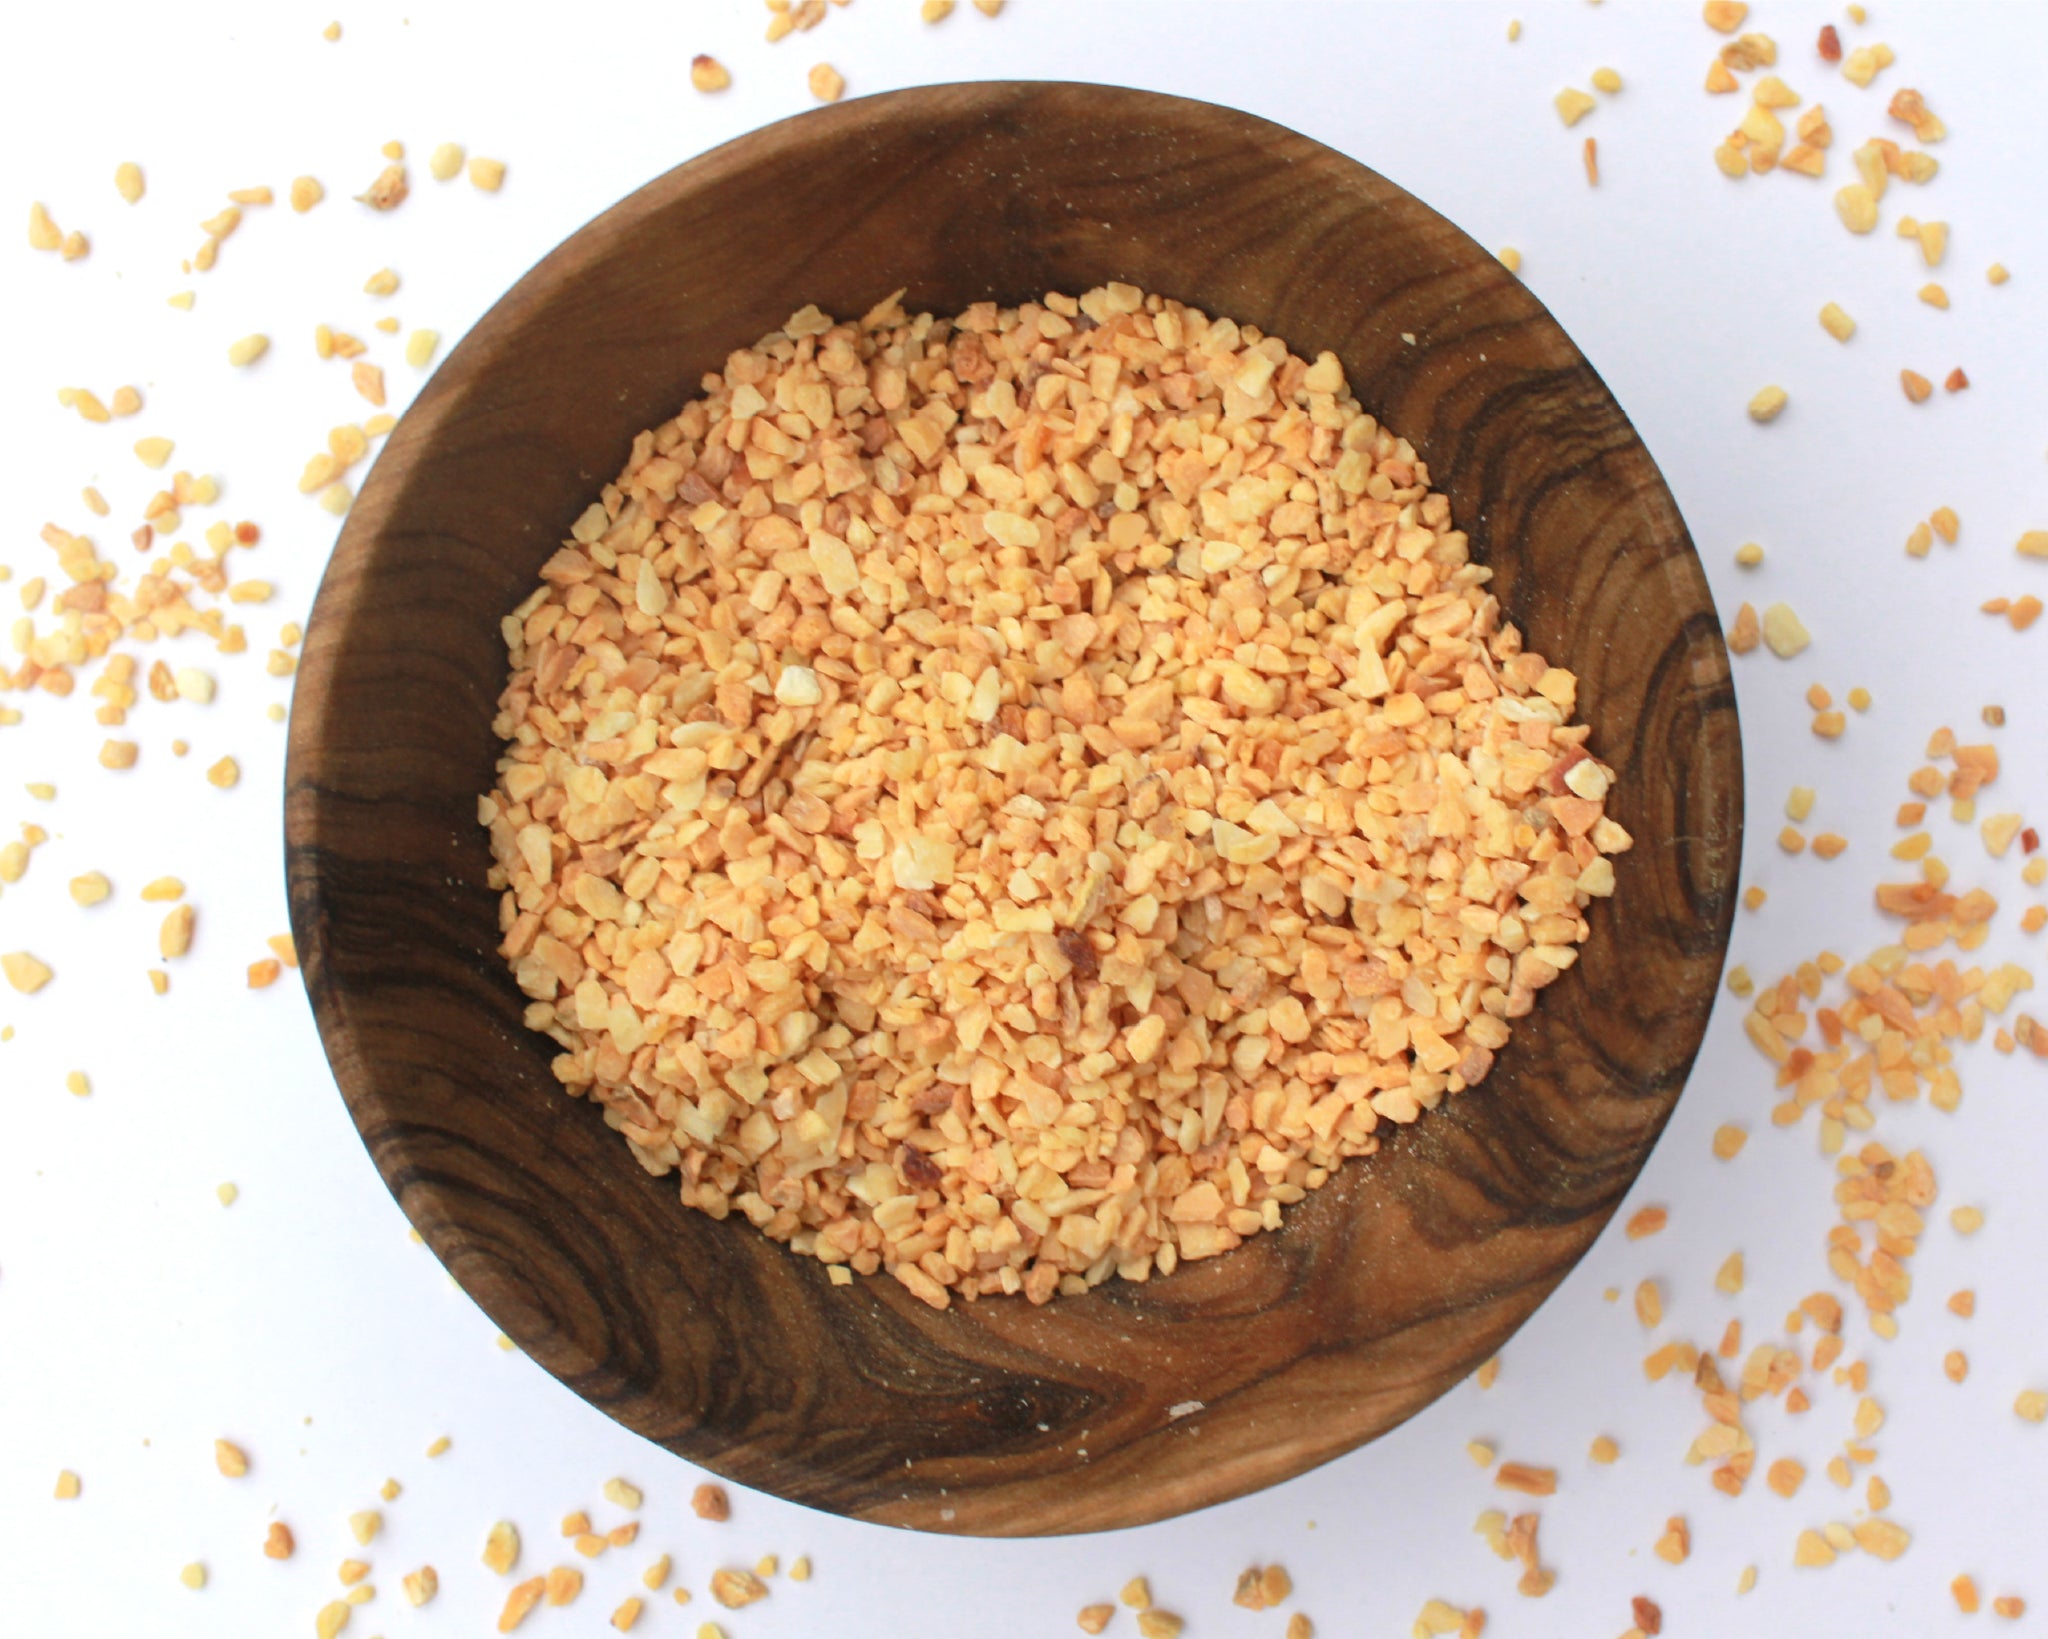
x=1136, y=1401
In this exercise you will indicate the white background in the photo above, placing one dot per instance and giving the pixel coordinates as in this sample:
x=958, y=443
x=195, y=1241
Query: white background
x=139, y=1319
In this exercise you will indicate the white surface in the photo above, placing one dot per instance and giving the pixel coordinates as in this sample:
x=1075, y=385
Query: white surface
x=138, y=1319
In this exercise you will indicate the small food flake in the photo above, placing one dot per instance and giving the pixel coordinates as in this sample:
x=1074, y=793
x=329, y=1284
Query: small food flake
x=1646, y=1222
x=1768, y=404
x=277, y=1541
x=827, y=83
x=421, y=1585
x=1836, y=322
x=245, y=352
x=710, y=1502
x=230, y=1459
x=708, y=74
x=1573, y=105
x=488, y=175
x=1604, y=1450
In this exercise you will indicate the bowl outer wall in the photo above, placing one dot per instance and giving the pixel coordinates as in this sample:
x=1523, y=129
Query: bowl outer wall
x=1384, y=1287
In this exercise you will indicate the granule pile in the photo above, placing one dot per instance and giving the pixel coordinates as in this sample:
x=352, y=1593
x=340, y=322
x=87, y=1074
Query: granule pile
x=1018, y=799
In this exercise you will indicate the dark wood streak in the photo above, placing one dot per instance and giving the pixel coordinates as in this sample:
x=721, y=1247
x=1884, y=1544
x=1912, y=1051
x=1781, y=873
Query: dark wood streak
x=1385, y=1287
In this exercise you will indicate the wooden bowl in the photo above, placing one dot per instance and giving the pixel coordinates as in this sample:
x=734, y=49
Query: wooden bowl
x=1134, y=1402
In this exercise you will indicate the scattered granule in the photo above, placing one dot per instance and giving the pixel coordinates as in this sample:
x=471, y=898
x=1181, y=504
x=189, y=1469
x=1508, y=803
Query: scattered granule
x=2022, y=612
x=119, y=754
x=501, y=1550
x=2033, y=544
x=159, y=981
x=800, y=1568
x=651, y=1579
x=564, y=1583
x=1649, y=1616
x=1603, y=1450
x=1437, y=1618
x=1783, y=633
x=1573, y=105
x=1785, y=1476
x=421, y=1585
x=1744, y=633
x=2034, y=918
x=2009, y=1606
x=438, y=1444
x=1510, y=258
x=277, y=1541
x=68, y=1486
x=419, y=347
x=624, y=1536
x=1136, y=1594
x=935, y=11
x=1647, y=1221
x=75, y=245
x=622, y=1494
x=248, y=350
x=1829, y=845
x=24, y=972
x=1739, y=984
x=1478, y=1450
x=1917, y=387
x=1856, y=205
x=1749, y=51
x=589, y=1544
x=1791, y=841
x=1488, y=1373
x=1859, y=699
x=519, y=1603
x=1933, y=238
x=1812, y=1549
x=486, y=174
x=1725, y=15
x=1956, y=380
x=387, y=192
x=1590, y=155
x=225, y=774
x=1514, y=29
x=1728, y=1278
x=1962, y=1303
x=230, y=1459
x=1300, y=1627
x=1675, y=1545
x=826, y=82
x=1768, y=404
x=1530, y=1481
x=1863, y=65
x=330, y=1619
x=368, y=379
x=1606, y=80
x=390, y=1490
x=226, y=1194
x=1934, y=296
x=1728, y=1141
x=576, y=1524
x=1749, y=555
x=1799, y=803
x=43, y=233
x=443, y=164
x=1882, y=1537
x=1996, y=273
x=125, y=402
x=1964, y=1591
x=2032, y=1405
x=193, y=1575
x=710, y=1502
x=1157, y=1624
x=174, y=937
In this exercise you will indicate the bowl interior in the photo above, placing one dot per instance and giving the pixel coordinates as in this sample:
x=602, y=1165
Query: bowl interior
x=1384, y=1287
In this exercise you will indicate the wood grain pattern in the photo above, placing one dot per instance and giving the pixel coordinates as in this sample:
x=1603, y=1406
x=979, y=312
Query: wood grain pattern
x=1385, y=1287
